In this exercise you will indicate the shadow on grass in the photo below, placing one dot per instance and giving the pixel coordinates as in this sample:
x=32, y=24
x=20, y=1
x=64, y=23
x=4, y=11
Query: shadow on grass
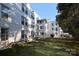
x=20, y=51
x=37, y=49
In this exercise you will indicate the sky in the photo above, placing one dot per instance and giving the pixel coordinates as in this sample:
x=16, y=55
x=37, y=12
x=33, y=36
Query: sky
x=45, y=10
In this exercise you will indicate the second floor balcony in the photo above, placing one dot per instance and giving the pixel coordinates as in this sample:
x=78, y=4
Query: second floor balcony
x=9, y=12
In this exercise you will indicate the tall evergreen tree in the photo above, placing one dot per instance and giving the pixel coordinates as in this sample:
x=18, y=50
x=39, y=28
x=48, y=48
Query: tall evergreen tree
x=68, y=18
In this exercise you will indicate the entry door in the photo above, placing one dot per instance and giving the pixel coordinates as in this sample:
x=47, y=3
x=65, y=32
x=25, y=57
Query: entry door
x=4, y=34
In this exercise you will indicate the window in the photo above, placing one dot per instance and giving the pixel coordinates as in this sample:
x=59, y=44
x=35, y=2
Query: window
x=42, y=27
x=22, y=7
x=52, y=24
x=56, y=24
x=32, y=26
x=42, y=33
x=22, y=34
x=4, y=34
x=40, y=22
x=37, y=33
x=56, y=29
x=52, y=28
x=25, y=36
x=32, y=33
x=26, y=11
x=37, y=27
x=32, y=16
x=26, y=23
x=22, y=20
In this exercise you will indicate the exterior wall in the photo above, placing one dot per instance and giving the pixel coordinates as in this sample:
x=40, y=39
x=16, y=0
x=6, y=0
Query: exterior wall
x=31, y=20
x=13, y=23
x=58, y=31
x=42, y=33
x=30, y=27
x=52, y=31
x=36, y=17
x=51, y=28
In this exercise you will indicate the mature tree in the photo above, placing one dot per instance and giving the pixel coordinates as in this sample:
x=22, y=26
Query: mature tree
x=68, y=18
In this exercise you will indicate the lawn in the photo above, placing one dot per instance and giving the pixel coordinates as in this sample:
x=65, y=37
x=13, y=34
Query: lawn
x=43, y=48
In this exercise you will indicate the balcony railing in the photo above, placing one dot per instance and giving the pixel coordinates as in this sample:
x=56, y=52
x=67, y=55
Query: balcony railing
x=9, y=12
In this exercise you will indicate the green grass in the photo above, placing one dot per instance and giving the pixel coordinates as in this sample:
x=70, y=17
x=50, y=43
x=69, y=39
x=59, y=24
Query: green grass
x=42, y=48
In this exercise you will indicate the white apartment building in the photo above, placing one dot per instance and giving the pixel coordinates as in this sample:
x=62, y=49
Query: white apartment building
x=46, y=28
x=58, y=31
x=33, y=28
x=42, y=28
x=17, y=22
x=37, y=17
x=10, y=23
x=53, y=29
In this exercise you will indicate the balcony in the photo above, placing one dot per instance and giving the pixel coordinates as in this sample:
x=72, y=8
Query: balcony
x=9, y=12
x=7, y=4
